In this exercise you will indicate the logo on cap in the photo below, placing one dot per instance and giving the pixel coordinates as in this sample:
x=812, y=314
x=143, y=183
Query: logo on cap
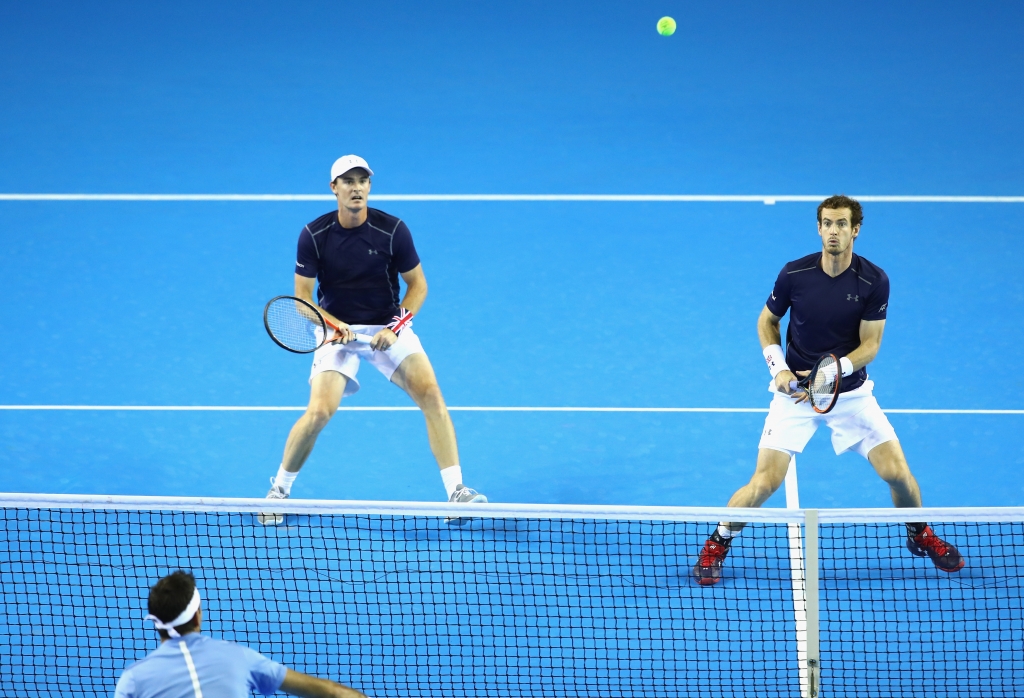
x=346, y=163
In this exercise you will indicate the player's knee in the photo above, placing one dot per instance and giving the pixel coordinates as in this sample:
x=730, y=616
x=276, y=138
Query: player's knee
x=318, y=416
x=764, y=486
x=429, y=397
x=770, y=472
x=896, y=473
x=891, y=466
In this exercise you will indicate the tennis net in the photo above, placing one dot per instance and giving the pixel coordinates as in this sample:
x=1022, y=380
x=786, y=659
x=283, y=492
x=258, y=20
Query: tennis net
x=520, y=599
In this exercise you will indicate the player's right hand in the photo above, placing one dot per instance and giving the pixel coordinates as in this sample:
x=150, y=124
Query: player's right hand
x=790, y=387
x=344, y=333
x=782, y=381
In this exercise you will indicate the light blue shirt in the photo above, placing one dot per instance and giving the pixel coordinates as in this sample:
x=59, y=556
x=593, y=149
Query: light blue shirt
x=194, y=665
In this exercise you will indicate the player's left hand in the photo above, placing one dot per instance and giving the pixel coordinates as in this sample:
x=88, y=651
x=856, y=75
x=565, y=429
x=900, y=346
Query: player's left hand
x=383, y=340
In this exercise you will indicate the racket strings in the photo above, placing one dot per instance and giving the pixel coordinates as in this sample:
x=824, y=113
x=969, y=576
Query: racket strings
x=824, y=383
x=294, y=324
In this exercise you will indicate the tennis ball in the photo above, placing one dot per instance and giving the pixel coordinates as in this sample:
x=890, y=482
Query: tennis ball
x=666, y=26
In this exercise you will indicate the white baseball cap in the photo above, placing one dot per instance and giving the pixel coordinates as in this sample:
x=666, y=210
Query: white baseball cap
x=346, y=163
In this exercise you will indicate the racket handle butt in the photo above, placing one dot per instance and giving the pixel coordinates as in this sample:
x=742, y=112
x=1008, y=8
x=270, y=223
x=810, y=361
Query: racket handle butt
x=793, y=385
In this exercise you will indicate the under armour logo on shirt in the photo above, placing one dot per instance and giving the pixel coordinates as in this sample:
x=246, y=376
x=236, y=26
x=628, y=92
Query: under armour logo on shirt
x=372, y=251
x=851, y=297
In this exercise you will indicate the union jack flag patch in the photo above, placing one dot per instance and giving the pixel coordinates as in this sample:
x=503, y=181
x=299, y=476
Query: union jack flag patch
x=400, y=322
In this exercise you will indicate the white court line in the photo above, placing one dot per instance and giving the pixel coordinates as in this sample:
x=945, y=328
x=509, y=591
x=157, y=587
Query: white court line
x=797, y=576
x=792, y=487
x=768, y=199
x=913, y=411
x=252, y=408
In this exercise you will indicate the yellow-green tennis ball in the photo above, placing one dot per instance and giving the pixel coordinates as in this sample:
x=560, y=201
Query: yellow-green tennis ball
x=666, y=26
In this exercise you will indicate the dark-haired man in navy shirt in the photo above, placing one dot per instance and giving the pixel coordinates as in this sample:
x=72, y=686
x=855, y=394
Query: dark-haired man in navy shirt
x=357, y=254
x=837, y=303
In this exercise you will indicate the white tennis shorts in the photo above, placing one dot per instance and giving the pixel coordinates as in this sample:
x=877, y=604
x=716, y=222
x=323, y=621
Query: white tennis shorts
x=345, y=358
x=857, y=423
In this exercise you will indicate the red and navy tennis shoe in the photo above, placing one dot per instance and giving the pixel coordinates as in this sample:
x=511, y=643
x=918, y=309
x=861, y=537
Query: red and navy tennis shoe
x=946, y=557
x=708, y=569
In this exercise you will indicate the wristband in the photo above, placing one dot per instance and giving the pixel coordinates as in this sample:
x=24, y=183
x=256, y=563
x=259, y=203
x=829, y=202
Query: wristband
x=400, y=322
x=775, y=359
x=846, y=365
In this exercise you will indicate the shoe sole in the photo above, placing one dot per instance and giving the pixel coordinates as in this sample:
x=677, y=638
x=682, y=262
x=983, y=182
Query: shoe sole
x=920, y=552
x=699, y=577
x=270, y=519
x=459, y=520
x=954, y=569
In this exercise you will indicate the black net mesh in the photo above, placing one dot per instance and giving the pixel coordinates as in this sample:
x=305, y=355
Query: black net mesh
x=404, y=606
x=894, y=625
x=412, y=606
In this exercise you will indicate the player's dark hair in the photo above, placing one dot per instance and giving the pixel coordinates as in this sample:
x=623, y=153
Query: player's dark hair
x=843, y=201
x=170, y=596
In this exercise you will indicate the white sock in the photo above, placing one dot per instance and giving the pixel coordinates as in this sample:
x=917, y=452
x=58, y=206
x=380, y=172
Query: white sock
x=725, y=532
x=452, y=476
x=284, y=479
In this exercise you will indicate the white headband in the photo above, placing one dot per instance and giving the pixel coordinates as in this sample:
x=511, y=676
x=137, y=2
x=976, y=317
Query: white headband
x=186, y=616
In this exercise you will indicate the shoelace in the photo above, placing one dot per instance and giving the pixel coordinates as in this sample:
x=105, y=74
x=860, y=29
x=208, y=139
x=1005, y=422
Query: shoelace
x=711, y=553
x=275, y=491
x=928, y=539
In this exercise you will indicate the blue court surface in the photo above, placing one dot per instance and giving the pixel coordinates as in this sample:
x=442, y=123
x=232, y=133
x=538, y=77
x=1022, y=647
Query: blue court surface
x=569, y=304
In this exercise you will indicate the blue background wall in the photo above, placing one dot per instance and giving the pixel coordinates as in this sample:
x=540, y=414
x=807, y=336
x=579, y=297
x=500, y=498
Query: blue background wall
x=532, y=304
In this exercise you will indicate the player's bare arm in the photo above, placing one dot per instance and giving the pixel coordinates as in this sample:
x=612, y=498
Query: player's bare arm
x=305, y=686
x=304, y=287
x=415, y=289
x=415, y=295
x=870, y=342
x=769, y=333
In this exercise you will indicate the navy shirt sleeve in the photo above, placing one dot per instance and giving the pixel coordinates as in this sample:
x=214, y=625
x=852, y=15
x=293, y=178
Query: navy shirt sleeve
x=878, y=300
x=307, y=261
x=403, y=252
x=778, y=302
x=265, y=675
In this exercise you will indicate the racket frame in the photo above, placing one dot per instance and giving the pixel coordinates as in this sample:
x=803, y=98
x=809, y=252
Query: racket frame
x=807, y=382
x=324, y=325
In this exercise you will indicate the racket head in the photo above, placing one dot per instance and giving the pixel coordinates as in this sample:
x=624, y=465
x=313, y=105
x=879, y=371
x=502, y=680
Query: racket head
x=293, y=324
x=823, y=383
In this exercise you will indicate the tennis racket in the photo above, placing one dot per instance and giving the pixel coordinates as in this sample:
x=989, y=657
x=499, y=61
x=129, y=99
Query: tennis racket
x=822, y=383
x=293, y=323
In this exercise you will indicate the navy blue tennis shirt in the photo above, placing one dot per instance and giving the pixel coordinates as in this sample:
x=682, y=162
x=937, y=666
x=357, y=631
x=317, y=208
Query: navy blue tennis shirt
x=825, y=312
x=357, y=268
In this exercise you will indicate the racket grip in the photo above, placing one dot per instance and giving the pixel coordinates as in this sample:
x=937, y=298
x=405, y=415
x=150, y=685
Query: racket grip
x=364, y=338
x=793, y=385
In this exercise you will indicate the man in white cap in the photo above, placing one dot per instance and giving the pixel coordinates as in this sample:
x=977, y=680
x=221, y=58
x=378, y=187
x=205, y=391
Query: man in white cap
x=357, y=253
x=190, y=665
